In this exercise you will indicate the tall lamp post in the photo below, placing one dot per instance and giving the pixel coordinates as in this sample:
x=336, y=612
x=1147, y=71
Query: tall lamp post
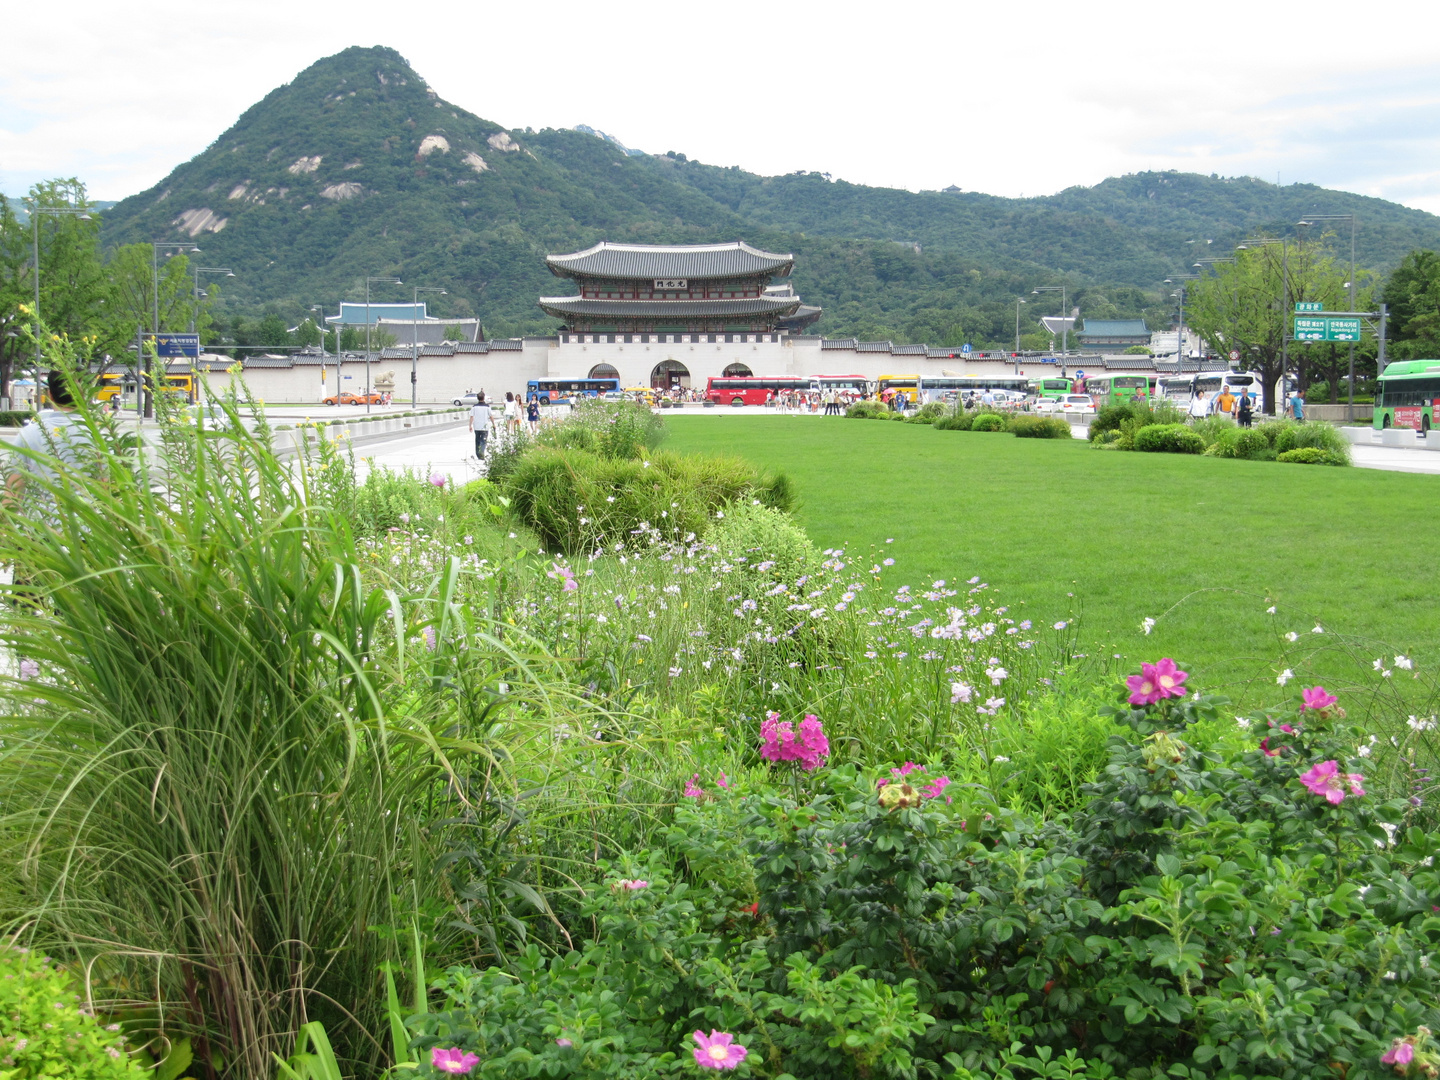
x=1350, y=401
x=1180, y=326
x=1018, y=302
x=415, y=337
x=224, y=270
x=1064, y=314
x=368, y=281
x=35, y=212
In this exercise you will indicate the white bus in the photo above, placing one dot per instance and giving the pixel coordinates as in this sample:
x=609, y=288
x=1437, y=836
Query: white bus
x=1181, y=388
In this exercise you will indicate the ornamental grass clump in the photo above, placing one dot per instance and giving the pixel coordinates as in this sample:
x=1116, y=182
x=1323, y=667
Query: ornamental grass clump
x=215, y=781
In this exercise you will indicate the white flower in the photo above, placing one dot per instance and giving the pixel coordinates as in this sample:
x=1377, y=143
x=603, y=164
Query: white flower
x=1292, y=636
x=1390, y=975
x=997, y=675
x=1000, y=759
x=1148, y=625
x=1284, y=677
x=1377, y=663
x=1404, y=662
x=1318, y=629
x=1385, y=674
x=960, y=692
x=1061, y=625
x=1362, y=751
x=1270, y=610
x=1419, y=723
x=1243, y=723
x=719, y=513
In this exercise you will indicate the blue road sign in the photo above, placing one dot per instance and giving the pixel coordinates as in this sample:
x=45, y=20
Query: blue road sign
x=965, y=348
x=175, y=344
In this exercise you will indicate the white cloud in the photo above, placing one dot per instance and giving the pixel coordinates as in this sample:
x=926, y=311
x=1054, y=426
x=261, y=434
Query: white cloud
x=1006, y=99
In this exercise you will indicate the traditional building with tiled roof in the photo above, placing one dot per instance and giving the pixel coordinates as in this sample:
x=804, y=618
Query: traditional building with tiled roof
x=1112, y=335
x=666, y=290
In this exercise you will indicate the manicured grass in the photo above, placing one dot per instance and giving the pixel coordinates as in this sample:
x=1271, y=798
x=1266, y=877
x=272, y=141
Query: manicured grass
x=1130, y=535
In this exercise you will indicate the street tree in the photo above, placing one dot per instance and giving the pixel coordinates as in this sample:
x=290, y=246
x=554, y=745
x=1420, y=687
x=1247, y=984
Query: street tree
x=1412, y=295
x=1246, y=306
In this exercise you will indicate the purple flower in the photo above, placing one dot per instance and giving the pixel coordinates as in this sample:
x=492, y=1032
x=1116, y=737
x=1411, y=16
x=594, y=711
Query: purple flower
x=809, y=746
x=453, y=1060
x=29, y=669
x=438, y=479
x=692, y=791
x=1400, y=1053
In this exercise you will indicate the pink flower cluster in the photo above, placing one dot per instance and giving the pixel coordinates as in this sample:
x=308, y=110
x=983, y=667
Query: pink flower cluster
x=693, y=790
x=627, y=885
x=718, y=1050
x=933, y=790
x=565, y=574
x=1317, y=698
x=1156, y=682
x=1326, y=779
x=781, y=743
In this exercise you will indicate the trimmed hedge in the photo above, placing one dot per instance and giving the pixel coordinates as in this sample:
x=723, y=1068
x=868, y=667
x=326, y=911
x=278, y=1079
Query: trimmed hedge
x=1168, y=439
x=576, y=501
x=15, y=417
x=988, y=422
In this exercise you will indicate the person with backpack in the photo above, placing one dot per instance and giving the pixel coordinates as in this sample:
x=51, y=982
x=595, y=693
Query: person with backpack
x=480, y=421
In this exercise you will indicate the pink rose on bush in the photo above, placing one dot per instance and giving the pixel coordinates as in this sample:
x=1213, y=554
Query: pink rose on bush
x=1326, y=779
x=453, y=1060
x=718, y=1050
x=1156, y=682
x=1317, y=698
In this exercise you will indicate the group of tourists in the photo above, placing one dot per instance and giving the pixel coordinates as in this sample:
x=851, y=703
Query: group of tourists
x=833, y=402
x=514, y=414
x=1239, y=407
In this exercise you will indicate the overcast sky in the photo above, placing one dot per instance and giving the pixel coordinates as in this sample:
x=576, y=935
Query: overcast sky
x=1012, y=99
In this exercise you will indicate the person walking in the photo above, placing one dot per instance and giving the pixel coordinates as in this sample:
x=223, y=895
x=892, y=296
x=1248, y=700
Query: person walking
x=480, y=421
x=532, y=414
x=1244, y=411
x=1297, y=404
x=1225, y=402
x=1199, y=406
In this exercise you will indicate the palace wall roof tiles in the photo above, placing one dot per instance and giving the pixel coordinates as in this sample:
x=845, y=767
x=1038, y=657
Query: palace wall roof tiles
x=564, y=306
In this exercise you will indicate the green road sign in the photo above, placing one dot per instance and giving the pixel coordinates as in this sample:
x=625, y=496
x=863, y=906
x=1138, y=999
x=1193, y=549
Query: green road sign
x=1342, y=330
x=1329, y=329
x=1309, y=307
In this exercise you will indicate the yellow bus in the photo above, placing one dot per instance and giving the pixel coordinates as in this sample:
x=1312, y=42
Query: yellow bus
x=115, y=385
x=909, y=385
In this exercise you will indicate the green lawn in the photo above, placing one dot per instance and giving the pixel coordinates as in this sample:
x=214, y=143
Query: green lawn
x=1130, y=535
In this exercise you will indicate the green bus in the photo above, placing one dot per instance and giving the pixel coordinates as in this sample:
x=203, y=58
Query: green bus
x=1051, y=387
x=1409, y=395
x=1116, y=389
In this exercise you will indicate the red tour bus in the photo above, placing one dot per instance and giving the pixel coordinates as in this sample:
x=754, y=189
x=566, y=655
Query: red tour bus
x=749, y=390
x=757, y=389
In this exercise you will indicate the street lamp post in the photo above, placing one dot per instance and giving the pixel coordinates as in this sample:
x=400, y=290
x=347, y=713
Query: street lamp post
x=1018, y=302
x=35, y=212
x=415, y=338
x=368, y=280
x=1350, y=401
x=1180, y=326
x=155, y=246
x=225, y=270
x=1064, y=315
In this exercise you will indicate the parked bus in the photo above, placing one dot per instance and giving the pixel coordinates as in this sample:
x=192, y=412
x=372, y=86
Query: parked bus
x=554, y=390
x=1049, y=387
x=1181, y=388
x=1408, y=395
x=909, y=385
x=1116, y=389
x=845, y=384
x=752, y=389
x=973, y=384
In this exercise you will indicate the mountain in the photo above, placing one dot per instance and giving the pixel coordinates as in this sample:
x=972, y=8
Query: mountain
x=358, y=168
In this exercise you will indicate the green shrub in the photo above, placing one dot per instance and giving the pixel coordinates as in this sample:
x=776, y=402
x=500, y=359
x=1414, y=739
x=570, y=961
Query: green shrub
x=15, y=417
x=866, y=410
x=1110, y=440
x=959, y=421
x=1244, y=443
x=1168, y=439
x=613, y=429
x=1026, y=426
x=1133, y=416
x=1314, y=434
x=988, y=422
x=1311, y=455
x=577, y=502
x=1109, y=418
x=930, y=411
x=1273, y=429
x=43, y=1030
x=1213, y=427
x=505, y=454
x=765, y=546
x=918, y=418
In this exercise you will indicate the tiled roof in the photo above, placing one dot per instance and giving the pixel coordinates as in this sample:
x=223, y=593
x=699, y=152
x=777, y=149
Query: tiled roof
x=907, y=350
x=352, y=314
x=874, y=346
x=1115, y=328
x=838, y=343
x=1129, y=363
x=268, y=362
x=562, y=307
x=642, y=261
x=503, y=345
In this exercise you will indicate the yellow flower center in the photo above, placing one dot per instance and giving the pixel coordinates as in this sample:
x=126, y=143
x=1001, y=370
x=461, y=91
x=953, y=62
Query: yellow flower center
x=718, y=1053
x=1147, y=687
x=1167, y=681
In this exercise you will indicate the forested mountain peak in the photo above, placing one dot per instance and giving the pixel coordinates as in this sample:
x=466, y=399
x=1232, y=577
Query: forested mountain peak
x=357, y=167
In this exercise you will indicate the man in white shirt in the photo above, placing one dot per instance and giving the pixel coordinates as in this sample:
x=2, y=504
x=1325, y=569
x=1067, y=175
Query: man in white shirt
x=480, y=421
x=55, y=431
x=1199, y=406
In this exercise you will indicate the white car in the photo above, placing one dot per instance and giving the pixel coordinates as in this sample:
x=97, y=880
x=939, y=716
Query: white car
x=1076, y=403
x=467, y=399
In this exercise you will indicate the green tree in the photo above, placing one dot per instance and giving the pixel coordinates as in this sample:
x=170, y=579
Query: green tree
x=454, y=333
x=272, y=332
x=1247, y=305
x=1412, y=295
x=131, y=297
x=307, y=333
